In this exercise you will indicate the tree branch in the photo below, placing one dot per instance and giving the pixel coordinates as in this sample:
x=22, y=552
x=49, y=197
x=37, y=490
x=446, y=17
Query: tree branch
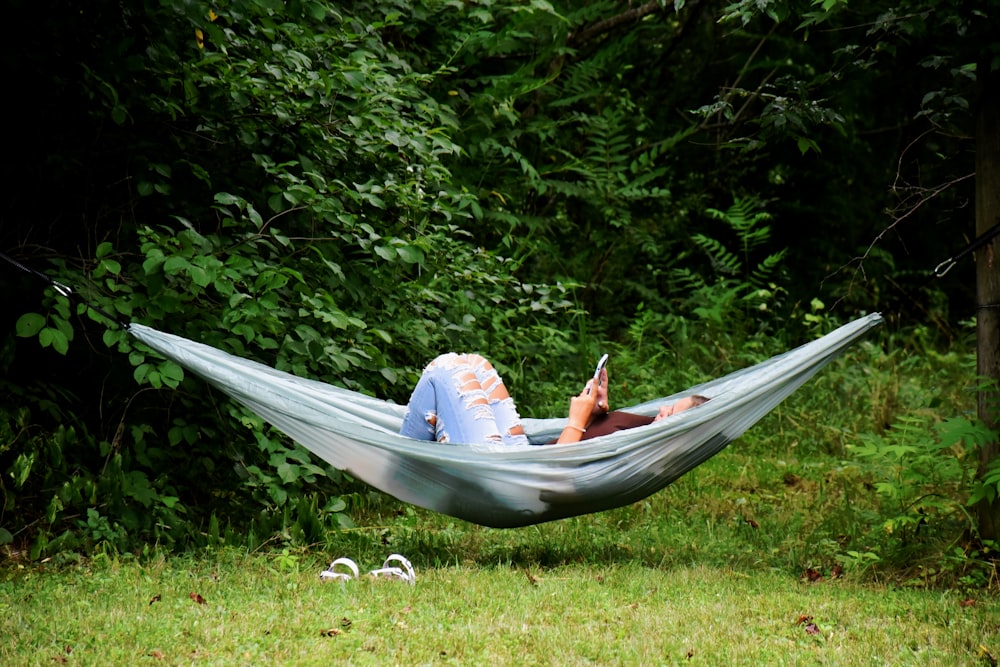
x=899, y=215
x=595, y=30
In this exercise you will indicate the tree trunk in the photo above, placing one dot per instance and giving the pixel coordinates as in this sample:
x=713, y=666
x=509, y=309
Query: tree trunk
x=988, y=277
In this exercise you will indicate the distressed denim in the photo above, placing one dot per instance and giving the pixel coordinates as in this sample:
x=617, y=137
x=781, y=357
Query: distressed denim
x=460, y=398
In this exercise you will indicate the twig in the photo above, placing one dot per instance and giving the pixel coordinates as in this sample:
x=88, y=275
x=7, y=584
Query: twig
x=607, y=25
x=897, y=219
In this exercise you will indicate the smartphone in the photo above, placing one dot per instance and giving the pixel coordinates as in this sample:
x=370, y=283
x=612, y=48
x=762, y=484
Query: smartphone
x=600, y=367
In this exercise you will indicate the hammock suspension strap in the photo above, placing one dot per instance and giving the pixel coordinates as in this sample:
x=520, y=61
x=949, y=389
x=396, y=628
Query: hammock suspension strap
x=987, y=236
x=62, y=289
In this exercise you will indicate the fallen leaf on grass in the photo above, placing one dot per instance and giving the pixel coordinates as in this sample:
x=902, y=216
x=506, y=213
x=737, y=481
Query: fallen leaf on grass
x=812, y=575
x=810, y=627
x=156, y=654
x=197, y=598
x=986, y=656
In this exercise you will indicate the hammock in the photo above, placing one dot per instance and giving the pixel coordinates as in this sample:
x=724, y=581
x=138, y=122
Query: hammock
x=503, y=486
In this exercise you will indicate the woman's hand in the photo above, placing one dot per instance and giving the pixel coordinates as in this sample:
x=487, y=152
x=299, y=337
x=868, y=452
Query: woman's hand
x=583, y=407
x=602, y=405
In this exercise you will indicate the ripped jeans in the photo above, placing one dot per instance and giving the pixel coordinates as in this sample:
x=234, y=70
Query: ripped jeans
x=460, y=398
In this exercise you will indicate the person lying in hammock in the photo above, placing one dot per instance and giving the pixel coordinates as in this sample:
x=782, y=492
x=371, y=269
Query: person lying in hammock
x=461, y=398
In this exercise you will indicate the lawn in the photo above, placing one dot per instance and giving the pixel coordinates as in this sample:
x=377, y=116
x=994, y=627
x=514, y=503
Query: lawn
x=232, y=608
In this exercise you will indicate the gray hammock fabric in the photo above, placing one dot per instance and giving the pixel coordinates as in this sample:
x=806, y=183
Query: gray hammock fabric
x=496, y=485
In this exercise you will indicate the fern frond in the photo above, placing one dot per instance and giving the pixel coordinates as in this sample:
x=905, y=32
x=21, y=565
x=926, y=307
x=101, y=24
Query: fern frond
x=685, y=280
x=722, y=259
x=763, y=272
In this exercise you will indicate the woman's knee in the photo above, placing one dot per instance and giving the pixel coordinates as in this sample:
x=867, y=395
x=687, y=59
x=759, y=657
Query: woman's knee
x=446, y=360
x=479, y=361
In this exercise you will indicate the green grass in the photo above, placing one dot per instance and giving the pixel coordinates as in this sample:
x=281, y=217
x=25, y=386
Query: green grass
x=274, y=610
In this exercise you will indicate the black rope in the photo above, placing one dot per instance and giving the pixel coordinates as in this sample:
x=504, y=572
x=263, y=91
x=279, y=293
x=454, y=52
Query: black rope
x=62, y=289
x=945, y=266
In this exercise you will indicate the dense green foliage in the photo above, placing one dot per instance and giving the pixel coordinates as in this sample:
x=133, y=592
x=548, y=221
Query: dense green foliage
x=343, y=190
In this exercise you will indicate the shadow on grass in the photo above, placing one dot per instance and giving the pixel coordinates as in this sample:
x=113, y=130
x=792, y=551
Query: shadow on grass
x=651, y=534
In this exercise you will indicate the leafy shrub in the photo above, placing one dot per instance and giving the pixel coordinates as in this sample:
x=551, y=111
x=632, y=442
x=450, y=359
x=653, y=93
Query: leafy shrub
x=300, y=212
x=923, y=472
